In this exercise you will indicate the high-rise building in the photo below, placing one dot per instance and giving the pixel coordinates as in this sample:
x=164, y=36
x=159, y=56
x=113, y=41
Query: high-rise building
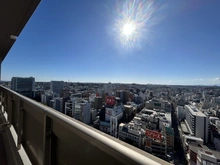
x=20, y=84
x=68, y=108
x=197, y=122
x=56, y=86
x=23, y=85
x=113, y=114
x=98, y=103
x=46, y=97
x=126, y=97
x=108, y=88
x=82, y=111
x=58, y=104
x=123, y=95
x=181, y=114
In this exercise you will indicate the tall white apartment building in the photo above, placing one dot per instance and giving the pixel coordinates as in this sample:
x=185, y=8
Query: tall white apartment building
x=82, y=112
x=197, y=122
x=113, y=115
x=70, y=106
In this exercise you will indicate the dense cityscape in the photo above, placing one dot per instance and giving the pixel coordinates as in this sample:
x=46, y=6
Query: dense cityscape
x=164, y=120
x=143, y=82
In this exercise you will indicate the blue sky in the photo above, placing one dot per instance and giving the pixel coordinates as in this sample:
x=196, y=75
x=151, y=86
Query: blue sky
x=174, y=42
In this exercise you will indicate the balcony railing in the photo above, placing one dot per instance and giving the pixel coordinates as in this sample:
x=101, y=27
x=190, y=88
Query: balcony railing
x=50, y=137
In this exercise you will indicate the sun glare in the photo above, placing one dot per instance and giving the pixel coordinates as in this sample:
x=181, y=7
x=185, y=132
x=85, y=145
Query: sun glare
x=128, y=29
x=133, y=22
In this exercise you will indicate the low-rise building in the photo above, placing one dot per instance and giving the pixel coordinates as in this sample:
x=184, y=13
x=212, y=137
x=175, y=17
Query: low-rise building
x=158, y=104
x=131, y=133
x=206, y=156
x=199, y=154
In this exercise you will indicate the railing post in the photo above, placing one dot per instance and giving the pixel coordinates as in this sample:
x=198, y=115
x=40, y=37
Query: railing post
x=9, y=108
x=13, y=108
x=6, y=101
x=20, y=124
x=49, y=142
x=1, y=99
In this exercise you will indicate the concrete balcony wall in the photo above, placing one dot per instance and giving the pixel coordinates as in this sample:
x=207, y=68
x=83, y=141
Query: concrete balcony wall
x=50, y=137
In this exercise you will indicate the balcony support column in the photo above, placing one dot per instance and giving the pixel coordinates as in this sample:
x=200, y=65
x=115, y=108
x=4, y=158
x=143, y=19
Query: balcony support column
x=1, y=99
x=49, y=142
x=9, y=108
x=0, y=71
x=20, y=124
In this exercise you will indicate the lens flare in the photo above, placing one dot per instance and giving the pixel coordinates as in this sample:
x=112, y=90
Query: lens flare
x=128, y=29
x=134, y=19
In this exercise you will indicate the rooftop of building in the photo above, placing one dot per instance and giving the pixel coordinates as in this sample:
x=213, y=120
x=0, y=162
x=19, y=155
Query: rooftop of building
x=131, y=128
x=193, y=138
x=168, y=116
x=105, y=123
x=184, y=128
x=128, y=106
x=194, y=111
x=147, y=111
x=24, y=77
x=195, y=147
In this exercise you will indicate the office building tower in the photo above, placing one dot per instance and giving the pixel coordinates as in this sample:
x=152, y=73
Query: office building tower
x=58, y=104
x=68, y=108
x=98, y=103
x=113, y=114
x=20, y=84
x=82, y=111
x=123, y=95
x=93, y=114
x=46, y=97
x=23, y=85
x=108, y=88
x=126, y=97
x=56, y=86
x=117, y=93
x=181, y=114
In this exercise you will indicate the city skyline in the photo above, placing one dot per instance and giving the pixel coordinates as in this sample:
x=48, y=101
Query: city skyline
x=172, y=43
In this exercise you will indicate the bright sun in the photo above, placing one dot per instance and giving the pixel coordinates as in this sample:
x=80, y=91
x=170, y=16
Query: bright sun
x=128, y=29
